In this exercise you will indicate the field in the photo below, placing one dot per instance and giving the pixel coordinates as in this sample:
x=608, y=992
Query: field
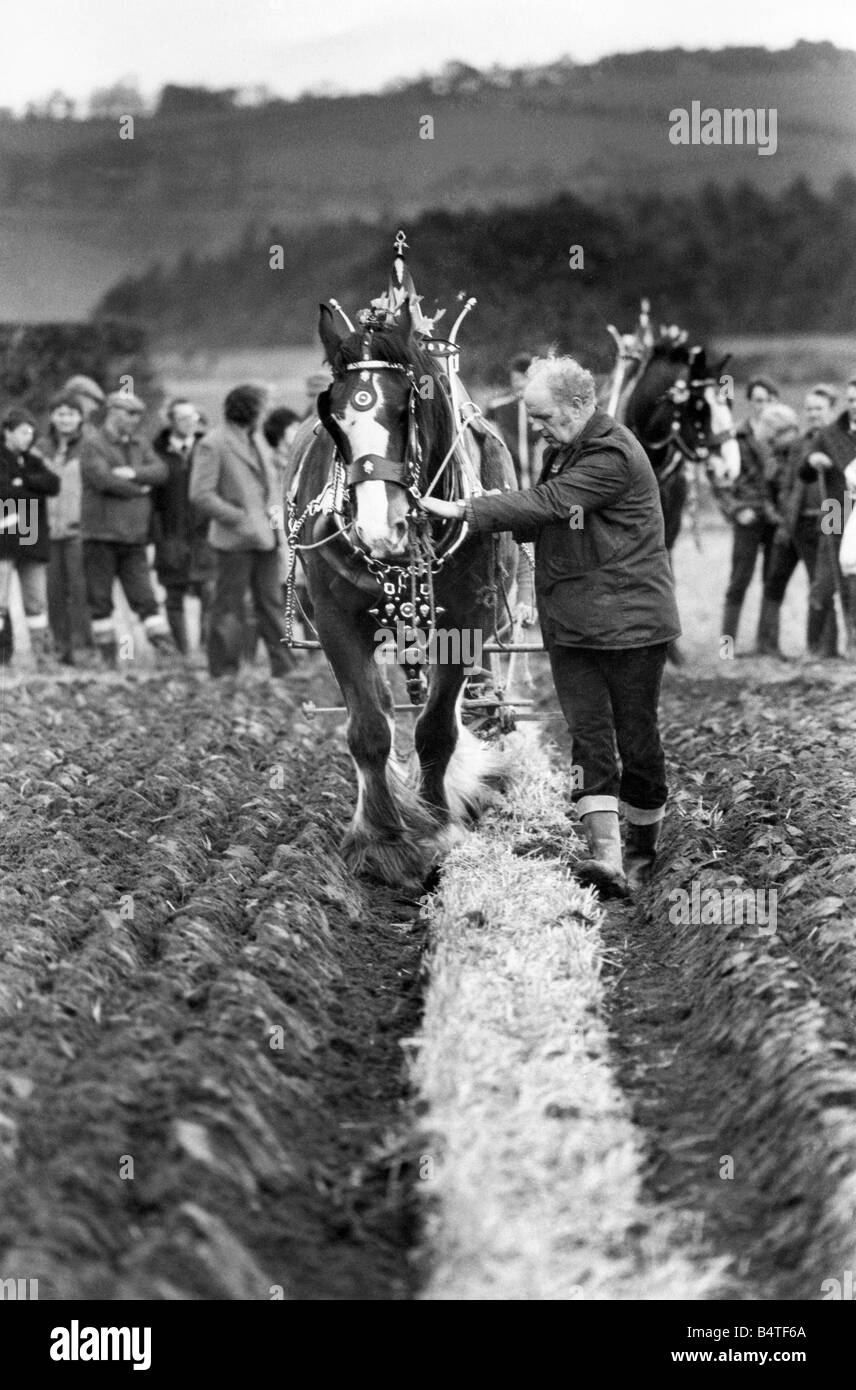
x=230, y=1071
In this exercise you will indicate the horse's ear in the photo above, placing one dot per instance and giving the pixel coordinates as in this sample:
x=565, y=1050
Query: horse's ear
x=327, y=332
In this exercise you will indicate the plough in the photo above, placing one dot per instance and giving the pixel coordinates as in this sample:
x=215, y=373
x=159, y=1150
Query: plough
x=482, y=709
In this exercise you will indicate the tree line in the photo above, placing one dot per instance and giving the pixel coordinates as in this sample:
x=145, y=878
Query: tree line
x=718, y=260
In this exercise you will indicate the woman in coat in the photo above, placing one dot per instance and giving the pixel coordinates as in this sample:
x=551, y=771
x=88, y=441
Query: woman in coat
x=67, y=609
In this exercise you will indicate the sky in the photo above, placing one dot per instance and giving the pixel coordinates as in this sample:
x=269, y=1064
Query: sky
x=360, y=45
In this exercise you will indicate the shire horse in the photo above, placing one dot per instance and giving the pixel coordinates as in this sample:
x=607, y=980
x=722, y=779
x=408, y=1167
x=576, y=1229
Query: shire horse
x=374, y=560
x=673, y=402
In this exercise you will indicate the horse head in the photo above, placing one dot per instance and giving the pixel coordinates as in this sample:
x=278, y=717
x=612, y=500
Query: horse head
x=387, y=421
x=679, y=403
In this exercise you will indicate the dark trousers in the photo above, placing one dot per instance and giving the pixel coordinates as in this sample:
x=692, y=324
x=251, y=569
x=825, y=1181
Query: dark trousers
x=237, y=571
x=202, y=589
x=68, y=614
x=610, y=700
x=748, y=541
x=104, y=561
x=787, y=555
x=826, y=579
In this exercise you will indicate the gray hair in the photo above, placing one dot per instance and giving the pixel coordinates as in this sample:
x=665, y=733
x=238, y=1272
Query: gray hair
x=564, y=378
x=775, y=417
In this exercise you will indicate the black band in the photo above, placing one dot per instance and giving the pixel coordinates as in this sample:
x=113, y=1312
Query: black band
x=370, y=468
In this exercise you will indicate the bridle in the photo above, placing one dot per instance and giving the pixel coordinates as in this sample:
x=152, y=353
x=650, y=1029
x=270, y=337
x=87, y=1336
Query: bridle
x=407, y=584
x=406, y=472
x=683, y=451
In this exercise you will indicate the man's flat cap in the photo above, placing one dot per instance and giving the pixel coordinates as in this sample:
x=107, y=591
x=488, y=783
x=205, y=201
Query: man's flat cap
x=127, y=400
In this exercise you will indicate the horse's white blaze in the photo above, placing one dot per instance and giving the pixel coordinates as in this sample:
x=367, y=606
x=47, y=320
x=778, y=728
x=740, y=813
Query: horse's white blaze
x=373, y=514
x=367, y=436
x=725, y=459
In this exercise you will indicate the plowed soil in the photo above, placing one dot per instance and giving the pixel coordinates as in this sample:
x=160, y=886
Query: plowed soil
x=201, y=1015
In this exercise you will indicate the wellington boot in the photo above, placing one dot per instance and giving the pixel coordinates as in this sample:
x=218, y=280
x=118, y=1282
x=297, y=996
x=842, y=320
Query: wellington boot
x=640, y=853
x=603, y=868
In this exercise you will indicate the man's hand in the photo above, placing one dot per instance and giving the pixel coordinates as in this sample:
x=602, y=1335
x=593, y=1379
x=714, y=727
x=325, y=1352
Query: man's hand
x=525, y=615
x=818, y=461
x=438, y=507
x=744, y=516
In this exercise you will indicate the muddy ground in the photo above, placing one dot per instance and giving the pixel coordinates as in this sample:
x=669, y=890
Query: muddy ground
x=735, y=1041
x=201, y=1015
x=204, y=1020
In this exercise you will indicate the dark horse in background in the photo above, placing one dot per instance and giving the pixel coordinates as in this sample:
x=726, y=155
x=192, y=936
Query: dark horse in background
x=387, y=423
x=677, y=407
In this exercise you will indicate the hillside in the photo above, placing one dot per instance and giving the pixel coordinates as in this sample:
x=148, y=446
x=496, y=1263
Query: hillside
x=80, y=208
x=721, y=261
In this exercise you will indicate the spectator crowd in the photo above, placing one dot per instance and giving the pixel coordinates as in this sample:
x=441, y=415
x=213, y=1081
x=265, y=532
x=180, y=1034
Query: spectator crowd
x=82, y=506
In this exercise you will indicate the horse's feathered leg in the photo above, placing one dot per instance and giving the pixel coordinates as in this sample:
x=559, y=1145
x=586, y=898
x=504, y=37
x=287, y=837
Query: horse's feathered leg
x=458, y=771
x=391, y=837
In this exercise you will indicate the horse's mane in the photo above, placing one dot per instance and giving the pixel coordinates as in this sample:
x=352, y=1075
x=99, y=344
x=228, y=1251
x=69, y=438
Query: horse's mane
x=433, y=411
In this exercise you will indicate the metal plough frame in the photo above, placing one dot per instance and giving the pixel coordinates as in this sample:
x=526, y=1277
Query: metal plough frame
x=506, y=712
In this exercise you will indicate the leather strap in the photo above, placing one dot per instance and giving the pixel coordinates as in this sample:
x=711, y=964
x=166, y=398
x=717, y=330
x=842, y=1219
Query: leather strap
x=369, y=468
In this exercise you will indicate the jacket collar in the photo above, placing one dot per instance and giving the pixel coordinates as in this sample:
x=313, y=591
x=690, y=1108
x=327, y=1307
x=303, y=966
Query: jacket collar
x=561, y=455
x=259, y=457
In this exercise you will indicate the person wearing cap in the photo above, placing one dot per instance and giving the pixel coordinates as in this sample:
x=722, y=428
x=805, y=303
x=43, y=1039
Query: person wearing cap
x=88, y=393
x=67, y=611
x=26, y=482
x=119, y=470
x=184, y=561
x=235, y=482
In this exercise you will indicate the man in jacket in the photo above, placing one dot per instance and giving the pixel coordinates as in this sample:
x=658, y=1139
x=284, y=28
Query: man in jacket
x=826, y=459
x=118, y=471
x=606, y=603
x=26, y=482
x=235, y=482
x=184, y=561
